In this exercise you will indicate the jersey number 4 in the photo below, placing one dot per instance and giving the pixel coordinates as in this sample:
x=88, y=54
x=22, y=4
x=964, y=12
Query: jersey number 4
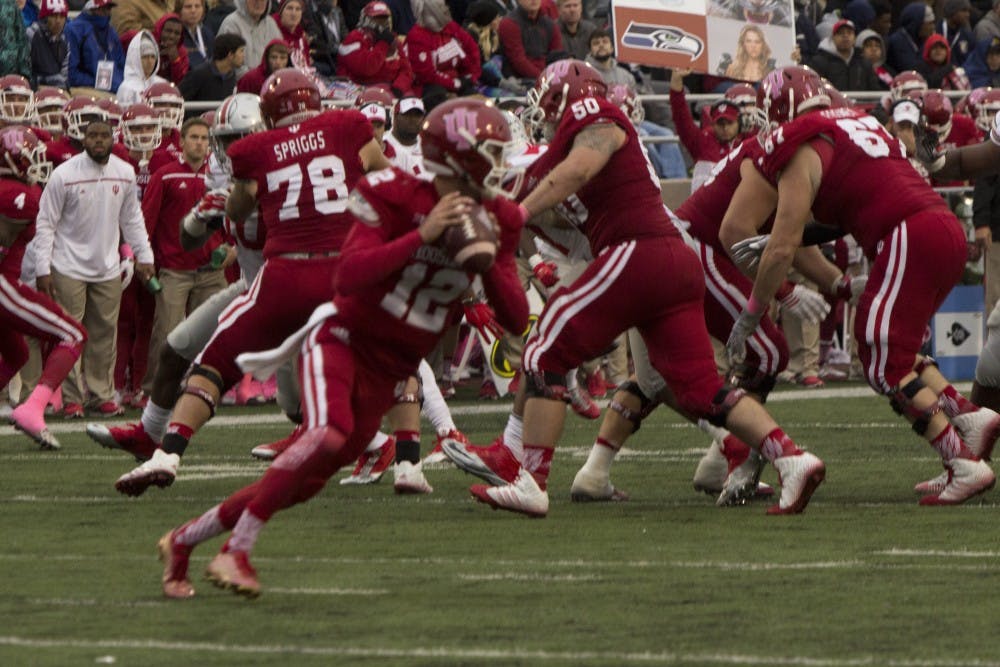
x=327, y=178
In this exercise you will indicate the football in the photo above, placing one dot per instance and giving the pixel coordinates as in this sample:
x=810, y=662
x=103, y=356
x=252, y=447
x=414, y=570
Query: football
x=473, y=243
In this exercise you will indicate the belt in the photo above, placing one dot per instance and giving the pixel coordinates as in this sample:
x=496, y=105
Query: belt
x=309, y=255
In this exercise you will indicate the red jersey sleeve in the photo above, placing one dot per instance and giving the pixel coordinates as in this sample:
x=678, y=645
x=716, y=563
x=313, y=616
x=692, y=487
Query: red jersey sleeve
x=501, y=283
x=19, y=201
x=245, y=156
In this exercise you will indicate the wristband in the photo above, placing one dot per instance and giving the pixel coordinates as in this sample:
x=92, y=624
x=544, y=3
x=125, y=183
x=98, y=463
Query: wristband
x=535, y=260
x=754, y=307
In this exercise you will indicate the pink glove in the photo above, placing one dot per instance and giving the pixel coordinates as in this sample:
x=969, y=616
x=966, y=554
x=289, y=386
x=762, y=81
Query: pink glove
x=547, y=273
x=481, y=316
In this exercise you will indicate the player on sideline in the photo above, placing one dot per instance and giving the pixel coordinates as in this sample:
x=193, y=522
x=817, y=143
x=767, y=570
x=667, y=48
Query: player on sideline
x=832, y=164
x=396, y=292
x=23, y=310
x=299, y=173
x=643, y=276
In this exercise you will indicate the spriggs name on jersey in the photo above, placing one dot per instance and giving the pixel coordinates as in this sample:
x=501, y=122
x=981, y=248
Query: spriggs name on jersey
x=297, y=146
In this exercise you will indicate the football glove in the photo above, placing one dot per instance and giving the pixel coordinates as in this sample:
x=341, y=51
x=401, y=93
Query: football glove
x=736, y=345
x=481, y=316
x=547, y=273
x=748, y=251
x=803, y=302
x=928, y=148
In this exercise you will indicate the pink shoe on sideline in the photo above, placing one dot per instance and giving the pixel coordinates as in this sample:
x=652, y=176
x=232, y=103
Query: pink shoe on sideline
x=269, y=388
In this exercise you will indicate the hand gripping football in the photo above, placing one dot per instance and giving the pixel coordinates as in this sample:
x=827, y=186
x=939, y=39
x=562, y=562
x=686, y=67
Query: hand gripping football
x=473, y=242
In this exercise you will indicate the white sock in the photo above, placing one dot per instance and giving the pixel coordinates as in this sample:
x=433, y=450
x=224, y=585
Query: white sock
x=376, y=442
x=600, y=459
x=572, y=382
x=434, y=408
x=245, y=532
x=203, y=528
x=154, y=421
x=513, y=434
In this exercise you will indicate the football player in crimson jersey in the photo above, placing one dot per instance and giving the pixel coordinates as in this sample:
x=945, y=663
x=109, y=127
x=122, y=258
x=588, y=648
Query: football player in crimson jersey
x=643, y=276
x=917, y=249
x=23, y=310
x=397, y=292
x=954, y=130
x=298, y=173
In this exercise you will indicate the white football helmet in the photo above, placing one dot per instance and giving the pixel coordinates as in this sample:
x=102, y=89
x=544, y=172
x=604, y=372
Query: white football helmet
x=237, y=116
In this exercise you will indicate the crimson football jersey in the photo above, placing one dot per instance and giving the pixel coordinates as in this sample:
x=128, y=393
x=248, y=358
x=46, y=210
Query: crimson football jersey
x=868, y=185
x=706, y=207
x=622, y=201
x=18, y=201
x=399, y=319
x=304, y=173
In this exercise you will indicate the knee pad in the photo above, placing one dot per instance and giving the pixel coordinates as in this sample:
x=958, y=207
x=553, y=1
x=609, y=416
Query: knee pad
x=901, y=400
x=205, y=396
x=724, y=401
x=546, y=384
x=923, y=364
x=646, y=405
x=760, y=384
x=404, y=397
x=210, y=375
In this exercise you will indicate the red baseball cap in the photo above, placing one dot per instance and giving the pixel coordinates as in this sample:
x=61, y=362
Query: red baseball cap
x=724, y=110
x=843, y=23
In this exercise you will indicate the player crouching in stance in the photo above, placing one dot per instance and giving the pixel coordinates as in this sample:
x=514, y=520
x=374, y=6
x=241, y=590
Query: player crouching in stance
x=396, y=294
x=643, y=276
x=23, y=310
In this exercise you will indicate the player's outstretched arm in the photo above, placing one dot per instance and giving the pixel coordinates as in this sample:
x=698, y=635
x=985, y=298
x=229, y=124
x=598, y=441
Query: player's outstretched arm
x=751, y=205
x=501, y=283
x=592, y=148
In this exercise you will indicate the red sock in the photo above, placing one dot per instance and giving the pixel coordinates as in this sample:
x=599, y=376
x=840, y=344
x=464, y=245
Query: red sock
x=735, y=450
x=537, y=461
x=954, y=404
x=950, y=446
x=59, y=363
x=777, y=444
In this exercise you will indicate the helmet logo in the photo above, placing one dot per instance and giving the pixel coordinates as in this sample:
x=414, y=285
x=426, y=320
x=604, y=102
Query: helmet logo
x=558, y=71
x=460, y=127
x=13, y=140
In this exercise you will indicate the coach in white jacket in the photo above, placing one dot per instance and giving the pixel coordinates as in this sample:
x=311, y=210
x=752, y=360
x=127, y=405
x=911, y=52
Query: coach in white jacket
x=89, y=200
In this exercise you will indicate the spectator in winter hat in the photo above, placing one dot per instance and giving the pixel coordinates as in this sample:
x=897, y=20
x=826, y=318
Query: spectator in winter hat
x=49, y=50
x=872, y=47
x=954, y=27
x=906, y=43
x=289, y=20
x=141, y=65
x=198, y=37
x=174, y=63
x=988, y=27
x=373, y=52
x=275, y=57
x=92, y=40
x=941, y=73
x=842, y=63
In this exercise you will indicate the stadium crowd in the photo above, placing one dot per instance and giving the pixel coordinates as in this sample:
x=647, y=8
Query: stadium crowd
x=194, y=175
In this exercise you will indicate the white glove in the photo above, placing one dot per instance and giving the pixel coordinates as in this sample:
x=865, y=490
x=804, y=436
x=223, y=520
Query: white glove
x=805, y=304
x=207, y=213
x=748, y=251
x=736, y=346
x=127, y=269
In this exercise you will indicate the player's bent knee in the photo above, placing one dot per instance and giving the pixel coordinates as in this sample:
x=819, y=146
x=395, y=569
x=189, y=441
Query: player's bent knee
x=718, y=412
x=646, y=404
x=546, y=384
x=759, y=384
x=901, y=400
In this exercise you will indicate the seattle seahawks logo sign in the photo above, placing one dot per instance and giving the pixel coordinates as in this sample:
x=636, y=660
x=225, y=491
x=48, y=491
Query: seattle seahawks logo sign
x=668, y=39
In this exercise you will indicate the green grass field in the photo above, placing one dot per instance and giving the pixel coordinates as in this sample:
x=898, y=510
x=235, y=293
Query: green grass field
x=361, y=576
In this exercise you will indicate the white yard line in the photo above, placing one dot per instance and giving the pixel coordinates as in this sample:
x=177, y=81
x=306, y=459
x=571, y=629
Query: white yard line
x=485, y=653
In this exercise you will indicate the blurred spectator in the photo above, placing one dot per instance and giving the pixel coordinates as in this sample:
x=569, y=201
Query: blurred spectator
x=188, y=278
x=89, y=203
x=174, y=63
x=482, y=18
x=574, y=29
x=96, y=57
x=805, y=30
x=275, y=57
x=882, y=23
x=941, y=73
x=403, y=16
x=141, y=64
x=444, y=58
x=954, y=27
x=602, y=57
x=29, y=11
x=842, y=63
x=289, y=20
x=131, y=15
x=665, y=156
x=372, y=53
x=197, y=37
x=706, y=145
x=251, y=22
x=906, y=43
x=873, y=49
x=215, y=80
x=859, y=12
x=983, y=64
x=15, y=56
x=403, y=142
x=988, y=26
x=217, y=13
x=326, y=27
x=49, y=50
x=527, y=39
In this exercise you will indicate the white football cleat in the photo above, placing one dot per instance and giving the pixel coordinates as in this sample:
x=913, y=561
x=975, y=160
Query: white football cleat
x=710, y=475
x=160, y=470
x=799, y=475
x=741, y=484
x=933, y=486
x=410, y=479
x=523, y=496
x=966, y=478
x=979, y=430
x=591, y=486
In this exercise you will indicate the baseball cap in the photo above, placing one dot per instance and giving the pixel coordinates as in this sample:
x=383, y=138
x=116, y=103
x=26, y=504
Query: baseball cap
x=375, y=113
x=724, y=109
x=377, y=9
x=906, y=111
x=98, y=4
x=52, y=8
x=408, y=104
x=843, y=23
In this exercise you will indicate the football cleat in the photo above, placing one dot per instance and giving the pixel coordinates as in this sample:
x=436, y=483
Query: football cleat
x=583, y=404
x=232, y=570
x=495, y=464
x=980, y=430
x=589, y=486
x=175, y=567
x=742, y=482
x=108, y=409
x=437, y=458
x=269, y=451
x=523, y=496
x=34, y=427
x=410, y=479
x=488, y=390
x=967, y=478
x=73, y=411
x=710, y=475
x=160, y=470
x=799, y=475
x=933, y=486
x=372, y=465
x=131, y=438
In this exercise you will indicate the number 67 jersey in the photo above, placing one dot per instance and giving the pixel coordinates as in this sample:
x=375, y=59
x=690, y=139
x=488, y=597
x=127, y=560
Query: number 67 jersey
x=868, y=185
x=304, y=173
